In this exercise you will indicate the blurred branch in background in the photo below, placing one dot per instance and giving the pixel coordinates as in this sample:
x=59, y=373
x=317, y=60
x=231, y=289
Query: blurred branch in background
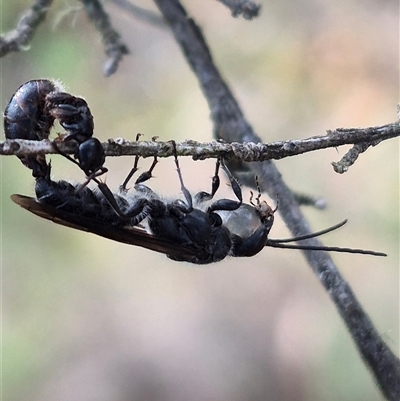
x=19, y=38
x=236, y=151
x=140, y=13
x=249, y=9
x=231, y=125
x=113, y=45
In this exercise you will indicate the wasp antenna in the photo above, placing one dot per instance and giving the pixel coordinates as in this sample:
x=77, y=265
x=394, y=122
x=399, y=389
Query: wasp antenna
x=313, y=235
x=273, y=244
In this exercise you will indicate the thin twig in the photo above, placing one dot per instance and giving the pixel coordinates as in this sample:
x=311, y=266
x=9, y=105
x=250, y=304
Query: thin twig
x=360, y=146
x=236, y=151
x=231, y=125
x=20, y=37
x=247, y=8
x=114, y=47
x=350, y=157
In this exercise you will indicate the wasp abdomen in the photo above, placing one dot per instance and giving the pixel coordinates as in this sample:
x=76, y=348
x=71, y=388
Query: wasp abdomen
x=24, y=116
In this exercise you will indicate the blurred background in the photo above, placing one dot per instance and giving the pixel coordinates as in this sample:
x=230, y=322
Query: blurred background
x=85, y=318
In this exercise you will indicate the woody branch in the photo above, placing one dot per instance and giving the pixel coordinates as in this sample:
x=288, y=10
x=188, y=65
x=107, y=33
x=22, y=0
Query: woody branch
x=230, y=124
x=361, y=138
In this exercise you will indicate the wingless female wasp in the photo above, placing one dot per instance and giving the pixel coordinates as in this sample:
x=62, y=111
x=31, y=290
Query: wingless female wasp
x=31, y=112
x=197, y=230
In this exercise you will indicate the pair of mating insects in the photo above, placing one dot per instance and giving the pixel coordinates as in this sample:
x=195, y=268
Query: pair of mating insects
x=197, y=230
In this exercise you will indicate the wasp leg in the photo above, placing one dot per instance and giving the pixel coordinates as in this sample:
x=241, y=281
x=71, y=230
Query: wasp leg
x=228, y=204
x=135, y=214
x=144, y=176
x=189, y=201
x=205, y=196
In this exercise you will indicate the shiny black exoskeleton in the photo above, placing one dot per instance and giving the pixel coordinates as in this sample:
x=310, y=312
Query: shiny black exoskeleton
x=73, y=113
x=194, y=226
x=84, y=202
x=181, y=230
x=35, y=105
x=25, y=116
x=75, y=117
x=31, y=113
x=91, y=157
x=199, y=233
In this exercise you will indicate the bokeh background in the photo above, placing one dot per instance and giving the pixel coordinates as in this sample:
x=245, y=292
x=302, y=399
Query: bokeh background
x=84, y=318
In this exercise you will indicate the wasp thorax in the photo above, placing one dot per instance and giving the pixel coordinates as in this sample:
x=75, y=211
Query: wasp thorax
x=243, y=221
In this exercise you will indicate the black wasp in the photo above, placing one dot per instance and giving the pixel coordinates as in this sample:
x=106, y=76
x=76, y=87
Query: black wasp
x=198, y=230
x=31, y=112
x=25, y=117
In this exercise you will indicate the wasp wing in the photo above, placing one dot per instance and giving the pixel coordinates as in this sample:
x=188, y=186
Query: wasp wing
x=126, y=234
